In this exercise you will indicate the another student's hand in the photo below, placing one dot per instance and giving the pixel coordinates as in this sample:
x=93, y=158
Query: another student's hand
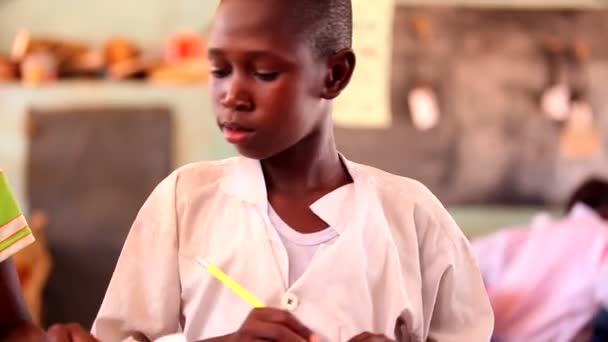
x=273, y=325
x=69, y=333
x=369, y=337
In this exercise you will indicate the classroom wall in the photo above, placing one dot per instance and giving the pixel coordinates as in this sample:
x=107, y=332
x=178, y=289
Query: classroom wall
x=477, y=155
x=148, y=21
x=494, y=144
x=196, y=134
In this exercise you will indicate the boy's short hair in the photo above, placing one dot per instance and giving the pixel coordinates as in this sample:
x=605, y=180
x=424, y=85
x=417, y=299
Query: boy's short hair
x=327, y=24
x=592, y=193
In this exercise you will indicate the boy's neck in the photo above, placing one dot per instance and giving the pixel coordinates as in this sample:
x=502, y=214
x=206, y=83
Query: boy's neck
x=313, y=164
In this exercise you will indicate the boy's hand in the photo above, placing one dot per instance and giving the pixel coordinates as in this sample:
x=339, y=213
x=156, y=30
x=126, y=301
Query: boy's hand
x=369, y=337
x=273, y=325
x=69, y=333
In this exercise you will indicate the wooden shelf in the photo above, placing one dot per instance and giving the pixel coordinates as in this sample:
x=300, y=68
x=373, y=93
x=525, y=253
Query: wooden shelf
x=100, y=84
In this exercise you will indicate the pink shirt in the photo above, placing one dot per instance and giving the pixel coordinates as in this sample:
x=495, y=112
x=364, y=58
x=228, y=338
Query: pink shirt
x=543, y=280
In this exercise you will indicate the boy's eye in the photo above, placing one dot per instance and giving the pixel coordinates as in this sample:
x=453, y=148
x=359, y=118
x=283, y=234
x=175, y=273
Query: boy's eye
x=219, y=72
x=266, y=76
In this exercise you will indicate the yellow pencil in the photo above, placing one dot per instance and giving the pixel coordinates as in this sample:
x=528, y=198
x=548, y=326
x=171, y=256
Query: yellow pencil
x=231, y=284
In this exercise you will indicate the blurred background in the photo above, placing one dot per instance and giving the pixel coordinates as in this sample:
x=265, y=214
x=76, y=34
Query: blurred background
x=498, y=106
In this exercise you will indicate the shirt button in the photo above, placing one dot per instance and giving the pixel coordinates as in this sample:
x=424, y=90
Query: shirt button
x=290, y=302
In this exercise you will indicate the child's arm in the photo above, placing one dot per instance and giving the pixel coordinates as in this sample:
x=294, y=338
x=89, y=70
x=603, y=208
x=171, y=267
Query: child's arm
x=143, y=298
x=15, y=321
x=453, y=291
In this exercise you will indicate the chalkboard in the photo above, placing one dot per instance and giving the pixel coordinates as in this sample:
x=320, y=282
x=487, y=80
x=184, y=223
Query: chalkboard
x=91, y=169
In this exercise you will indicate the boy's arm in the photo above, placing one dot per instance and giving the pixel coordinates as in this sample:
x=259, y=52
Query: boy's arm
x=456, y=304
x=143, y=299
x=15, y=321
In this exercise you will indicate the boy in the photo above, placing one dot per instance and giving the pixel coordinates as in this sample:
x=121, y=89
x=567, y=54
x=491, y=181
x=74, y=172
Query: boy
x=344, y=250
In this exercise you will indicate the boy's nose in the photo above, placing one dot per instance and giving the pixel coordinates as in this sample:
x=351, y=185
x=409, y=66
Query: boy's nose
x=236, y=99
x=237, y=103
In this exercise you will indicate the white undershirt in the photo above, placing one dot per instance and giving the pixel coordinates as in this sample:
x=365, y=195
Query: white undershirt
x=302, y=248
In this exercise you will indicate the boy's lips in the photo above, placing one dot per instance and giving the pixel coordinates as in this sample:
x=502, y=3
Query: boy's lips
x=235, y=134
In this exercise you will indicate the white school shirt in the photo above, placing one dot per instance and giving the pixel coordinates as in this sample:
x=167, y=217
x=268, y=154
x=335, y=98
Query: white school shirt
x=303, y=248
x=400, y=266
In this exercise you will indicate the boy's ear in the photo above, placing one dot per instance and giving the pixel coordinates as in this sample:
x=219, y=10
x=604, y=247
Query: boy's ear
x=341, y=66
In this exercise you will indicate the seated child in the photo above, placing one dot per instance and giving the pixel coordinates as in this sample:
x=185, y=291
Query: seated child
x=336, y=250
x=543, y=280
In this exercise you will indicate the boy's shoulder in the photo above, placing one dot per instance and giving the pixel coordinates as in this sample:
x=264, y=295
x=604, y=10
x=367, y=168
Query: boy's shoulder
x=398, y=192
x=210, y=168
x=202, y=174
x=394, y=185
x=403, y=196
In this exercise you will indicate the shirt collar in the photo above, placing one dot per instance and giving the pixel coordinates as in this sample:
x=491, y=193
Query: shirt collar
x=245, y=180
x=336, y=208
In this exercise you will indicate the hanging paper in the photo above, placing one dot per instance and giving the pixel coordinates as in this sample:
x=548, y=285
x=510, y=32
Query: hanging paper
x=424, y=108
x=580, y=137
x=365, y=103
x=555, y=102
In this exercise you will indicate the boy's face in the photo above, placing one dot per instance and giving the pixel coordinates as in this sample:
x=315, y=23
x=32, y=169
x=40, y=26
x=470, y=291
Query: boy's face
x=266, y=83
